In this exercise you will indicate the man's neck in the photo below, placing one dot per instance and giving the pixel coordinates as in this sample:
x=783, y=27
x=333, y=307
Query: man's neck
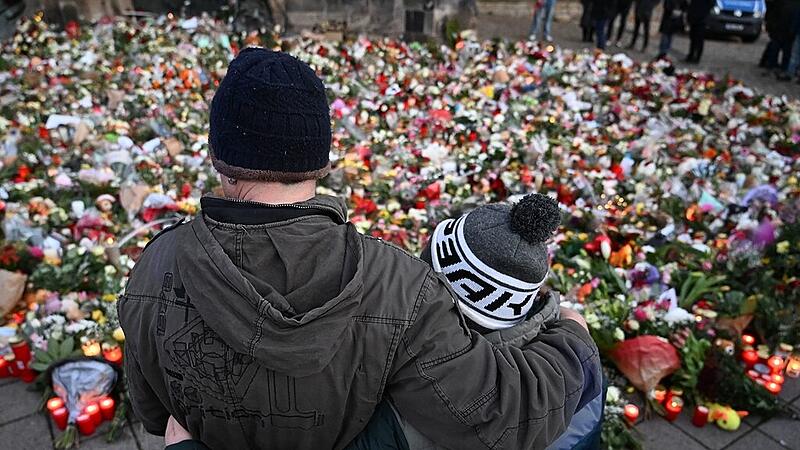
x=270, y=193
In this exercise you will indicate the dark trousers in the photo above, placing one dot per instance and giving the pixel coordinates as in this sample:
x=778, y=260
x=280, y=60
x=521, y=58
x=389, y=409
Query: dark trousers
x=641, y=23
x=621, y=15
x=600, y=29
x=697, y=39
x=777, y=54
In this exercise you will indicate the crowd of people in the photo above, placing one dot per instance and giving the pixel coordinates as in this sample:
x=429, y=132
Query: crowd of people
x=605, y=22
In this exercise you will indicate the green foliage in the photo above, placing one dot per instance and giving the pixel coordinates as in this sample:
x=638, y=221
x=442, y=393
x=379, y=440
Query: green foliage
x=693, y=357
x=697, y=285
x=616, y=435
x=56, y=351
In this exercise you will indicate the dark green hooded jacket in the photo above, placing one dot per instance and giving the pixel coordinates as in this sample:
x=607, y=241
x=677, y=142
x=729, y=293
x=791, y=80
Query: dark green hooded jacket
x=282, y=327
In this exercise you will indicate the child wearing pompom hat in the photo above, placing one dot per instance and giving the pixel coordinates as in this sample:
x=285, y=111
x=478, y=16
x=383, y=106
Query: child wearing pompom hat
x=496, y=261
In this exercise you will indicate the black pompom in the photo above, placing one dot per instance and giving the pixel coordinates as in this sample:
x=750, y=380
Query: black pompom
x=536, y=217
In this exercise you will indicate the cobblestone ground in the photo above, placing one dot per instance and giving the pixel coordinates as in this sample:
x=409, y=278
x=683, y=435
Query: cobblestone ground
x=22, y=428
x=721, y=55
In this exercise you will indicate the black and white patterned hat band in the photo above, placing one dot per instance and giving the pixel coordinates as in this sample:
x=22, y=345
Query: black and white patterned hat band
x=491, y=299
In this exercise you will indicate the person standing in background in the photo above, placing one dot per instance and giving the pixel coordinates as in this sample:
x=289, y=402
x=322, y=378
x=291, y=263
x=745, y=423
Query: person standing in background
x=602, y=12
x=794, y=53
x=781, y=36
x=770, y=49
x=623, y=8
x=697, y=15
x=644, y=14
x=544, y=13
x=586, y=21
x=671, y=23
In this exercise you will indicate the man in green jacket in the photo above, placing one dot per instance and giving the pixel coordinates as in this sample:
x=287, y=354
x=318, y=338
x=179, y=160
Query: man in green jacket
x=270, y=322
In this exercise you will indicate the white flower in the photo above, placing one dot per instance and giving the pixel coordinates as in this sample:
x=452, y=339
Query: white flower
x=612, y=394
x=619, y=334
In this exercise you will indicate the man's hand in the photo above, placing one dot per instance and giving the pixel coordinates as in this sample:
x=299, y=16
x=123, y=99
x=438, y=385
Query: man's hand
x=175, y=432
x=571, y=314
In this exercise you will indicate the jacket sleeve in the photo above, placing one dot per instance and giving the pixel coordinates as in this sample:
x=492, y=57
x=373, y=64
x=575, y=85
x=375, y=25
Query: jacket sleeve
x=146, y=405
x=463, y=392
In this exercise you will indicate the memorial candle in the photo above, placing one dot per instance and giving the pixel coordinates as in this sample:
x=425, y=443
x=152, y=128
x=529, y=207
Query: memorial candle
x=700, y=417
x=85, y=424
x=54, y=404
x=773, y=387
x=107, y=407
x=748, y=339
x=673, y=408
x=94, y=412
x=775, y=364
x=21, y=349
x=793, y=367
x=60, y=417
x=777, y=378
x=659, y=393
x=113, y=354
x=631, y=413
x=5, y=371
x=91, y=348
x=750, y=357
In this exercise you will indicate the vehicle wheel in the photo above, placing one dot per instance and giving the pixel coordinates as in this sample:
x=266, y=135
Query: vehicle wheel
x=751, y=38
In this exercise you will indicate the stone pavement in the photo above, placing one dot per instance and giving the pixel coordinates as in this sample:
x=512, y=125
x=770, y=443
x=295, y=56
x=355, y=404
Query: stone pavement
x=22, y=428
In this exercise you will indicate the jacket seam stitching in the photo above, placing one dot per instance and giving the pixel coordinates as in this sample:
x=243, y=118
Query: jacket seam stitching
x=389, y=356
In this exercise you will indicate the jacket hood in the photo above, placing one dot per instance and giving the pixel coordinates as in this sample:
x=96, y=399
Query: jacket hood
x=264, y=325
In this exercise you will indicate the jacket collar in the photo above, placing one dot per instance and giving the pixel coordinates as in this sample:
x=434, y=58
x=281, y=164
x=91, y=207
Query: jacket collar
x=247, y=212
x=522, y=333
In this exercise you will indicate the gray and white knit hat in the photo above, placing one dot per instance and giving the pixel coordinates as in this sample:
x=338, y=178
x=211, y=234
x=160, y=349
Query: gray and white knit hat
x=495, y=258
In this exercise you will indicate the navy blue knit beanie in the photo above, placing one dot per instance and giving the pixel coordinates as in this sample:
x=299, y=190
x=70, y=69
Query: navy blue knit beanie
x=270, y=120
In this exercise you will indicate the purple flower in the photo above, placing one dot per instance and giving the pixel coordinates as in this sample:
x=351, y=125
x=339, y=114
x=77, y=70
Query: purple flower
x=764, y=234
x=765, y=193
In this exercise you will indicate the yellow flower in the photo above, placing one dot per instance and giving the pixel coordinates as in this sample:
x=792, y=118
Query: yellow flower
x=118, y=335
x=98, y=316
x=783, y=247
x=109, y=298
x=557, y=267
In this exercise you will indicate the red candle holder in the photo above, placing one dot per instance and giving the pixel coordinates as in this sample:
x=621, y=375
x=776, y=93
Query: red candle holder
x=748, y=339
x=773, y=387
x=11, y=363
x=700, y=418
x=54, y=404
x=113, y=354
x=107, y=407
x=60, y=417
x=93, y=410
x=750, y=357
x=21, y=349
x=631, y=413
x=775, y=363
x=5, y=370
x=659, y=393
x=85, y=424
x=673, y=408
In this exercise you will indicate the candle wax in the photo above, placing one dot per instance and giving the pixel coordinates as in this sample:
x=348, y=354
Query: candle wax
x=54, y=403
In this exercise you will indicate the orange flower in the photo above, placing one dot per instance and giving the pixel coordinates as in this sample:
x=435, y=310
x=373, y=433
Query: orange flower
x=622, y=257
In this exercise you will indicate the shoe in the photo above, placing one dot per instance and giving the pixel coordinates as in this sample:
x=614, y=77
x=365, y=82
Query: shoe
x=548, y=38
x=783, y=77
